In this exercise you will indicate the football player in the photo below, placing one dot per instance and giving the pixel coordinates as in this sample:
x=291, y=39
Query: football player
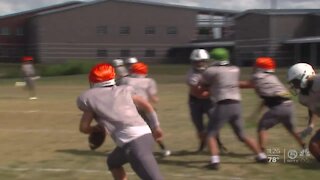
x=145, y=87
x=275, y=96
x=29, y=76
x=223, y=81
x=121, y=70
x=199, y=101
x=114, y=107
x=306, y=83
x=130, y=61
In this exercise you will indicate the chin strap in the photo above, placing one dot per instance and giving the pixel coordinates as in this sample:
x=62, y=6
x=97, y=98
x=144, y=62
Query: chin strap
x=104, y=83
x=138, y=75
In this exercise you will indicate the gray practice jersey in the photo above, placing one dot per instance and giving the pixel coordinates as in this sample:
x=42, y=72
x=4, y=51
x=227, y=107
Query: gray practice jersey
x=312, y=100
x=268, y=85
x=28, y=70
x=223, y=81
x=121, y=71
x=114, y=108
x=193, y=78
x=143, y=86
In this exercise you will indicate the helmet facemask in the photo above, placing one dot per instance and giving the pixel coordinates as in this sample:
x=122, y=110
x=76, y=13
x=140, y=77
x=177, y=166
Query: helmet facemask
x=295, y=86
x=199, y=65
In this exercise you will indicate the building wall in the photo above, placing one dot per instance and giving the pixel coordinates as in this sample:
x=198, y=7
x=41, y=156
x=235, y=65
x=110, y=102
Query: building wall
x=92, y=31
x=12, y=43
x=251, y=27
x=315, y=24
x=12, y=24
x=251, y=38
x=290, y=26
x=263, y=35
x=79, y=33
x=14, y=33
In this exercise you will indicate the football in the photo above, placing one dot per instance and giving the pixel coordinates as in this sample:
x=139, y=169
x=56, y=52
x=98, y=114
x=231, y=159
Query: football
x=314, y=145
x=97, y=138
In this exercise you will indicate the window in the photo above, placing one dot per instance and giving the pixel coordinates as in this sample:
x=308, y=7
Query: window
x=150, y=30
x=150, y=53
x=4, y=31
x=125, y=53
x=124, y=30
x=102, y=53
x=19, y=32
x=172, y=30
x=17, y=52
x=101, y=30
x=4, y=52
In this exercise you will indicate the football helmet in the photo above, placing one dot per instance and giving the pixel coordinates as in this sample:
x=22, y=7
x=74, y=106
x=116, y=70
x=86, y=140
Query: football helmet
x=298, y=75
x=117, y=62
x=220, y=56
x=27, y=58
x=139, y=68
x=265, y=64
x=199, y=58
x=199, y=55
x=131, y=60
x=101, y=75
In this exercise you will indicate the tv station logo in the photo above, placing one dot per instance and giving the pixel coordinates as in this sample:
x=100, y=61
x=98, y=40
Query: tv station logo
x=296, y=156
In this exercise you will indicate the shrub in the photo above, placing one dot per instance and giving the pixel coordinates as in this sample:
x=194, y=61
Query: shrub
x=10, y=70
x=68, y=68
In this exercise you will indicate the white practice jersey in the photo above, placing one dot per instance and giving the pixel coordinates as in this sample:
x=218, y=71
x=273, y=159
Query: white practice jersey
x=114, y=108
x=193, y=77
x=312, y=100
x=28, y=70
x=223, y=82
x=121, y=71
x=143, y=86
x=268, y=85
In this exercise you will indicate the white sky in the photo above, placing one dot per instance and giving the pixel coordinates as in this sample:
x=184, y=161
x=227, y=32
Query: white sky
x=13, y=6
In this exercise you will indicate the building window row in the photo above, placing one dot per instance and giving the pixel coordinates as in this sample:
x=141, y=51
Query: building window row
x=102, y=30
x=150, y=30
x=6, y=31
x=126, y=30
x=102, y=53
x=126, y=53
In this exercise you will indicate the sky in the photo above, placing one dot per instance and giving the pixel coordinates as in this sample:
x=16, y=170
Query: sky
x=14, y=6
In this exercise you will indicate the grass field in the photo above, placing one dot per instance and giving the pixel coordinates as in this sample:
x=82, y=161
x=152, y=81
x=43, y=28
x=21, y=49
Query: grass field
x=40, y=139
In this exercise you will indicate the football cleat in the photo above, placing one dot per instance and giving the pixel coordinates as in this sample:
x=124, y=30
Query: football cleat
x=212, y=166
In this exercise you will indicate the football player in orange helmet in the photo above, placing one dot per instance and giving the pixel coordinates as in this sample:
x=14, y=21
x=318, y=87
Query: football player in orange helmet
x=115, y=108
x=275, y=96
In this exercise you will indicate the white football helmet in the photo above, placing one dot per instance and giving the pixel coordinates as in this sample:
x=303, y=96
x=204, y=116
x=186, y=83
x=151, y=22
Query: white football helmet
x=298, y=75
x=199, y=58
x=131, y=60
x=117, y=62
x=199, y=55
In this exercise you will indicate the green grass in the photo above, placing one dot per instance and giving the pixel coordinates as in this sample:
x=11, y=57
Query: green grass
x=40, y=139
